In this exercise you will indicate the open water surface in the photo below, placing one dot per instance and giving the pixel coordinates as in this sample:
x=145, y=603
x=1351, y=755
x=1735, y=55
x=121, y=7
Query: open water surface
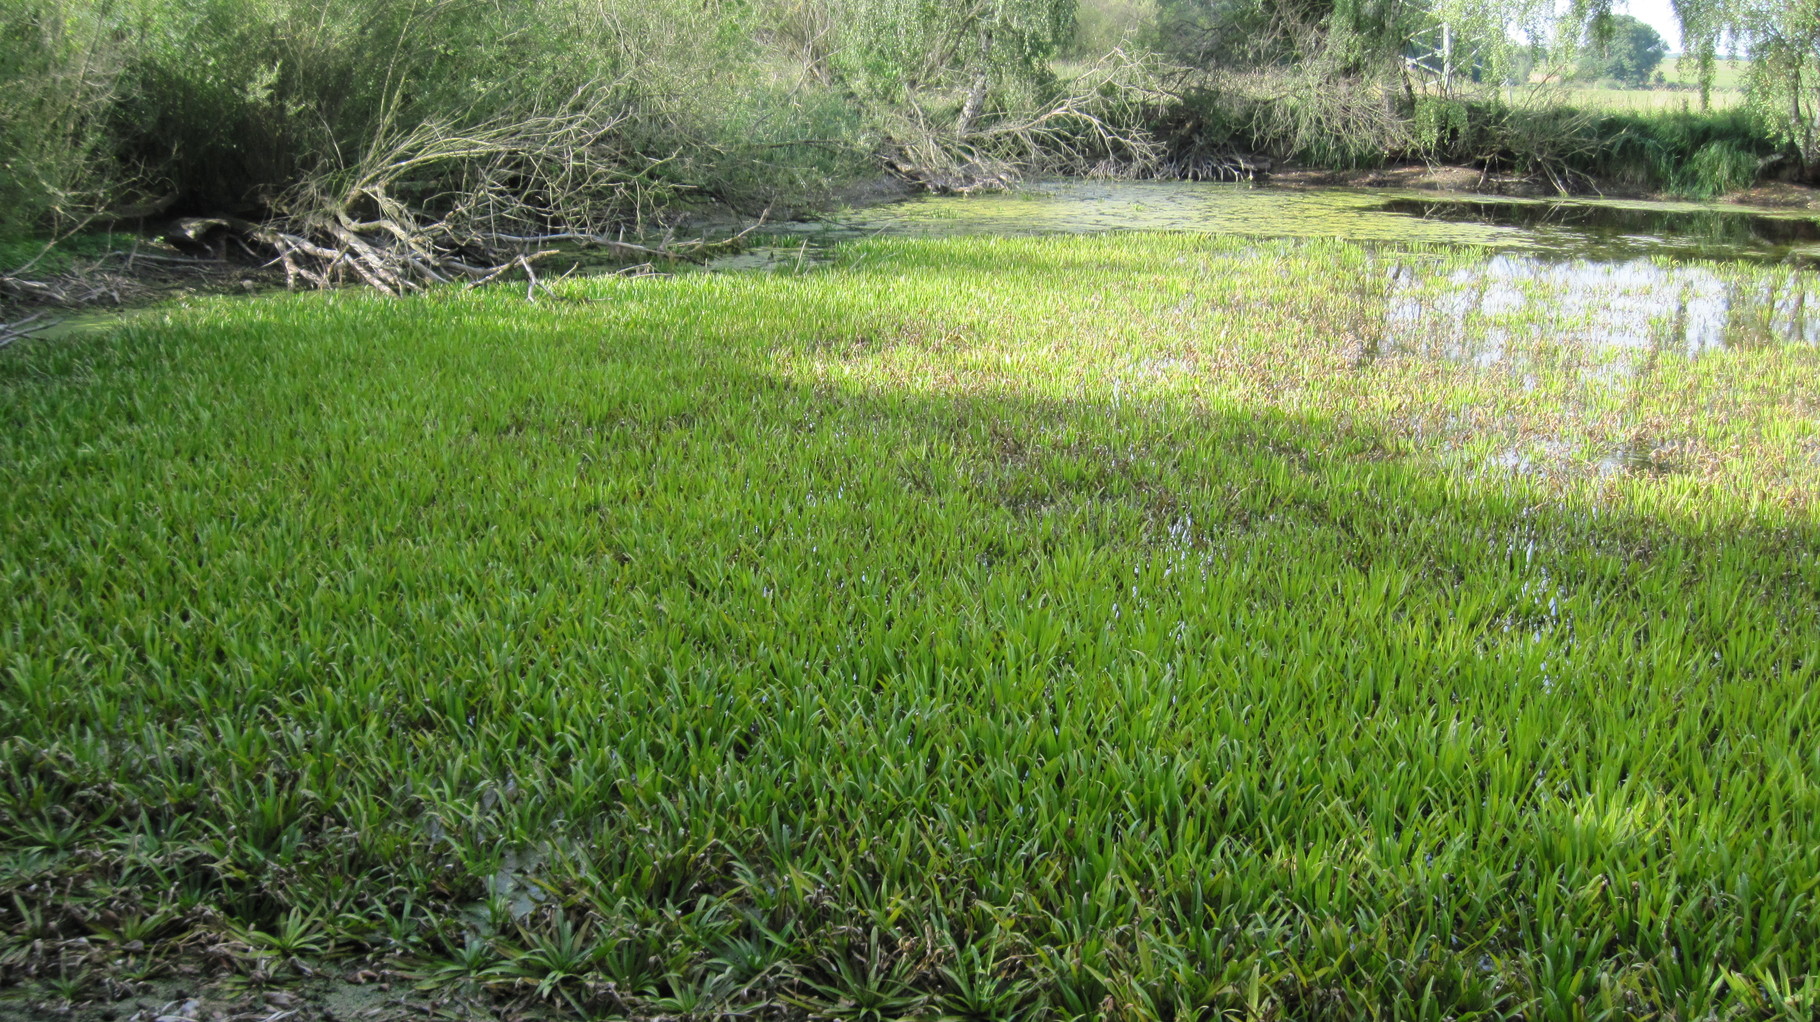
x=1627, y=275
x=1622, y=283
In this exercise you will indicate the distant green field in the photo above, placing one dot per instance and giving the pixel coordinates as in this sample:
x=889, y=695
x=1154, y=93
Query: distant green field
x=1145, y=627
x=1728, y=73
x=1680, y=91
x=1646, y=100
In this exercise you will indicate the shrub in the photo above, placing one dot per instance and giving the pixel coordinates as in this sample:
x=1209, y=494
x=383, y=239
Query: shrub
x=1717, y=168
x=56, y=79
x=240, y=106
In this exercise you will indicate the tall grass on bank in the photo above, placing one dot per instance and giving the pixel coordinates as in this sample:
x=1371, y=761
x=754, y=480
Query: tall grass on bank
x=1698, y=154
x=1102, y=627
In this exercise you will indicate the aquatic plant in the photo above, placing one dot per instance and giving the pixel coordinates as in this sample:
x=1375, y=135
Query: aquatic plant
x=1149, y=626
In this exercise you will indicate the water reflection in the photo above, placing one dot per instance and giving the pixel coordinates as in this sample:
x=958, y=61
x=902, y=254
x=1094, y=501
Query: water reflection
x=1489, y=312
x=1601, y=339
x=1680, y=227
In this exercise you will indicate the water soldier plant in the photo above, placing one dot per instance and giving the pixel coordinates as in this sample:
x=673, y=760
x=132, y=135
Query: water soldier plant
x=1139, y=627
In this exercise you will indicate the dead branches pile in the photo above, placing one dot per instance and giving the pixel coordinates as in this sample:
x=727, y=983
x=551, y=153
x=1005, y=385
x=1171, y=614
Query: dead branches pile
x=439, y=203
x=1096, y=120
x=434, y=204
x=1305, y=109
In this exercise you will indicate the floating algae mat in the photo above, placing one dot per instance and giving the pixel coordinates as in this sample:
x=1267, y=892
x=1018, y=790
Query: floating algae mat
x=1582, y=228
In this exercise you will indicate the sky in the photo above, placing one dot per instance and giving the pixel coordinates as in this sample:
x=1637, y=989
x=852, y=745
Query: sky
x=1660, y=15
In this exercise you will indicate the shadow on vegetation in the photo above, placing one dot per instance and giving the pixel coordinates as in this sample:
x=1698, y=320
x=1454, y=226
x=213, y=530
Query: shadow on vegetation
x=803, y=645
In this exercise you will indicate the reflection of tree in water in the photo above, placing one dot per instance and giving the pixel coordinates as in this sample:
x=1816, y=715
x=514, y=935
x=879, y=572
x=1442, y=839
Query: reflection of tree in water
x=1610, y=334
x=1623, y=314
x=1727, y=230
x=1770, y=314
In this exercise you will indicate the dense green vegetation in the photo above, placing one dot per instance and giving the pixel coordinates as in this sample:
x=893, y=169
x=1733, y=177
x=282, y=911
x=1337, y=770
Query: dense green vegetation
x=573, y=110
x=1146, y=627
x=1149, y=627
x=1625, y=51
x=1781, y=80
x=443, y=125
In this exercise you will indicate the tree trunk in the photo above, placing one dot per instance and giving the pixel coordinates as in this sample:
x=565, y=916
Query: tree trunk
x=976, y=96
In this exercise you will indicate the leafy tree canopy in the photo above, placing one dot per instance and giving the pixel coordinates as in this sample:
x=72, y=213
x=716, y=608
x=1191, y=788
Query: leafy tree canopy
x=1781, y=38
x=1624, y=49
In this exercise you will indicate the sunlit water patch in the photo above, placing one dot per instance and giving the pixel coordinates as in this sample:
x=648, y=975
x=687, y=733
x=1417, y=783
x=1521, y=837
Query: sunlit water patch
x=1635, y=309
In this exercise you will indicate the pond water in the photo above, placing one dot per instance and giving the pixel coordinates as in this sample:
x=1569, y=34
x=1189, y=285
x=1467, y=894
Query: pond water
x=1624, y=275
x=1618, y=284
x=1593, y=229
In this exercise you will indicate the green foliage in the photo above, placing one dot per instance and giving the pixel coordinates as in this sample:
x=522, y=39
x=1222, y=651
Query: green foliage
x=231, y=106
x=1440, y=124
x=1699, y=155
x=1781, y=38
x=1298, y=113
x=1103, y=25
x=1688, y=153
x=1008, y=628
x=239, y=100
x=1622, y=49
x=63, y=255
x=1717, y=168
x=56, y=79
x=891, y=48
x=1783, y=78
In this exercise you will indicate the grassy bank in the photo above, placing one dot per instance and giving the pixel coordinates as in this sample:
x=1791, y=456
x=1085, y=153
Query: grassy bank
x=1566, y=139
x=980, y=628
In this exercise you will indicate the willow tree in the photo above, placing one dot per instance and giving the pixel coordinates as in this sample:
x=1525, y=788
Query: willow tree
x=902, y=50
x=1781, y=38
x=969, y=92
x=1333, y=81
x=1782, y=82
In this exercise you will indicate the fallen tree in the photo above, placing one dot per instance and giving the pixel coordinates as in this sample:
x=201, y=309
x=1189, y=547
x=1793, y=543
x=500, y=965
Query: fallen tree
x=20, y=329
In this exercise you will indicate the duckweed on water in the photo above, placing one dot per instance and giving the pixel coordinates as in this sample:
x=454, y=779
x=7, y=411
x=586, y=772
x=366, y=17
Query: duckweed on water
x=1585, y=228
x=1147, y=627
